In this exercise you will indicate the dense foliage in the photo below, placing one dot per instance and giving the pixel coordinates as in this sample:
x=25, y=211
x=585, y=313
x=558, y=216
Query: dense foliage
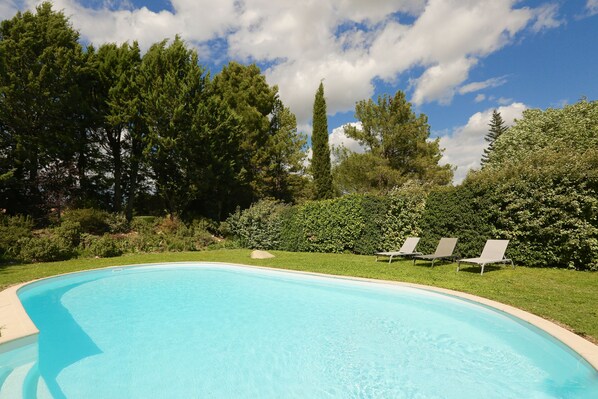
x=259, y=226
x=128, y=133
x=92, y=233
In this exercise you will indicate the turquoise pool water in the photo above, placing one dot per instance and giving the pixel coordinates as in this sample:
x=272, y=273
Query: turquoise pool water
x=207, y=331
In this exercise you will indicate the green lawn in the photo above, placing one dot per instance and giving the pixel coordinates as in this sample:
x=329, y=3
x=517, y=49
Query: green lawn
x=567, y=297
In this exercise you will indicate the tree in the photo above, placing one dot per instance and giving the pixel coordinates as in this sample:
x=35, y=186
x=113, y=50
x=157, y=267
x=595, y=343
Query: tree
x=286, y=154
x=320, y=162
x=172, y=85
x=397, y=147
x=571, y=127
x=245, y=91
x=120, y=128
x=42, y=105
x=497, y=128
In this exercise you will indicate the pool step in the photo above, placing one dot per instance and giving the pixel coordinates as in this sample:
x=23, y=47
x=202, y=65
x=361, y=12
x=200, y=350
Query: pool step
x=14, y=383
x=23, y=382
x=42, y=390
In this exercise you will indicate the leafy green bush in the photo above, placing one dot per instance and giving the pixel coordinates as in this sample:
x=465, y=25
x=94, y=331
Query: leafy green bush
x=573, y=127
x=13, y=229
x=47, y=248
x=403, y=216
x=352, y=223
x=142, y=224
x=259, y=226
x=118, y=223
x=104, y=246
x=164, y=234
x=373, y=213
x=456, y=212
x=70, y=231
x=92, y=221
x=547, y=205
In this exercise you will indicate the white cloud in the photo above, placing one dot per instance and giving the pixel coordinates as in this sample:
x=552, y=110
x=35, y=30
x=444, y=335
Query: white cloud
x=546, y=17
x=338, y=138
x=477, y=86
x=479, y=98
x=592, y=7
x=438, y=83
x=464, y=145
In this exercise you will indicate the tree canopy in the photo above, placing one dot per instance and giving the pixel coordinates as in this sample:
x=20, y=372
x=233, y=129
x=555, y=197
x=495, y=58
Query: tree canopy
x=114, y=129
x=571, y=127
x=397, y=147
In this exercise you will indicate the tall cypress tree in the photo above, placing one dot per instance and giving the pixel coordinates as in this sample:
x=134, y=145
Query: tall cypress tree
x=320, y=162
x=497, y=127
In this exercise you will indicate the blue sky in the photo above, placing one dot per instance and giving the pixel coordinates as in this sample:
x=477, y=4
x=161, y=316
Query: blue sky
x=456, y=59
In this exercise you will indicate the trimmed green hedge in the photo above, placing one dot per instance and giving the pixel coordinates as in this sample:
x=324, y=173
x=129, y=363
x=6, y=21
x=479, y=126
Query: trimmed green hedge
x=352, y=223
x=456, y=212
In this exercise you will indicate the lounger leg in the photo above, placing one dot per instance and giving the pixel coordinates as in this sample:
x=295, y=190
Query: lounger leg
x=482, y=269
x=390, y=259
x=458, y=264
x=433, y=262
x=512, y=264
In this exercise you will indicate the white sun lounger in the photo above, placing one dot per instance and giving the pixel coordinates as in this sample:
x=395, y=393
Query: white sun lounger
x=407, y=249
x=493, y=252
x=444, y=250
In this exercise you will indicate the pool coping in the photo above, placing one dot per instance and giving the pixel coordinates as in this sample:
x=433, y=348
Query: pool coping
x=18, y=329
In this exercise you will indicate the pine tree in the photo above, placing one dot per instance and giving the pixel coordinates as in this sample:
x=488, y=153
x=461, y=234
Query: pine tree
x=497, y=127
x=320, y=162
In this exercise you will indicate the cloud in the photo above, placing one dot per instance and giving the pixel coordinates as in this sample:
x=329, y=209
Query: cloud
x=546, y=17
x=592, y=7
x=438, y=83
x=479, y=98
x=338, y=138
x=464, y=145
x=477, y=86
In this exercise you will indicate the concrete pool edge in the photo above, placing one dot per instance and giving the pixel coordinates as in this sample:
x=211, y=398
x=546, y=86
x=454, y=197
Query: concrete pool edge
x=18, y=329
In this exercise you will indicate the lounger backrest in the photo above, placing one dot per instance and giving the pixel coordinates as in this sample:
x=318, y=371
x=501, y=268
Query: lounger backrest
x=409, y=245
x=494, y=249
x=446, y=246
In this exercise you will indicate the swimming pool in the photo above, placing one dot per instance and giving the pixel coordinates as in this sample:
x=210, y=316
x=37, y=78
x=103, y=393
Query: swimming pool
x=200, y=330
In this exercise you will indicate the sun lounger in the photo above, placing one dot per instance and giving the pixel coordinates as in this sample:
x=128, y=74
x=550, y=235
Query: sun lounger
x=407, y=249
x=493, y=252
x=444, y=250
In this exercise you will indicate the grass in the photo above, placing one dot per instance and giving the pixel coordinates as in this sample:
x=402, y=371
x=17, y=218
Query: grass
x=566, y=297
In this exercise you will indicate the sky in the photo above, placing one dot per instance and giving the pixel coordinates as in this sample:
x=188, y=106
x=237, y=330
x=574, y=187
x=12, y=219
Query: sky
x=456, y=60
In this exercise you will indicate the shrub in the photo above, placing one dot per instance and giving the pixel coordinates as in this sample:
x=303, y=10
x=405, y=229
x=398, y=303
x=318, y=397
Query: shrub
x=142, y=224
x=92, y=221
x=547, y=206
x=46, y=248
x=456, y=212
x=352, y=223
x=403, y=216
x=104, y=246
x=118, y=223
x=259, y=226
x=13, y=229
x=70, y=231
